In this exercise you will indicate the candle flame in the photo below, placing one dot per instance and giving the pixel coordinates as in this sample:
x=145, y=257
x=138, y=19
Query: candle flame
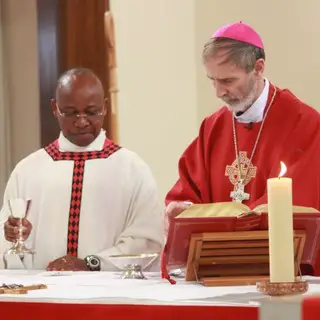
x=283, y=169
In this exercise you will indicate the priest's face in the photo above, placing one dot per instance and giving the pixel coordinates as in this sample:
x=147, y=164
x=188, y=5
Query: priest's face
x=80, y=108
x=234, y=85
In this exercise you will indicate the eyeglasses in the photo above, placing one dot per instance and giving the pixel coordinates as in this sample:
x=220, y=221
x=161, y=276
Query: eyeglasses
x=77, y=115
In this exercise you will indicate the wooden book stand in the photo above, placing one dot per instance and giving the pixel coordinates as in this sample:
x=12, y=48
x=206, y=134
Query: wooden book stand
x=234, y=258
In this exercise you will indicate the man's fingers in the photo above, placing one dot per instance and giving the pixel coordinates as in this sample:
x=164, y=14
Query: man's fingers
x=57, y=265
x=26, y=223
x=175, y=208
x=11, y=239
x=10, y=235
x=12, y=231
x=52, y=269
x=16, y=222
x=13, y=221
x=9, y=229
x=26, y=233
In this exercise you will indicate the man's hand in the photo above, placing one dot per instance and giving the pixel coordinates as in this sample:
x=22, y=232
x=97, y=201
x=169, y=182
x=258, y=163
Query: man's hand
x=67, y=263
x=172, y=210
x=11, y=229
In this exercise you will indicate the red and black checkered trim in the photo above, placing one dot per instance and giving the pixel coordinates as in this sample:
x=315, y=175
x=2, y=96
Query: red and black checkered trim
x=79, y=159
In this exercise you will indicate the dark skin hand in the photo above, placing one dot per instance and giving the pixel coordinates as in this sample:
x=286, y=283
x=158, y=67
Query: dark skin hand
x=67, y=263
x=11, y=229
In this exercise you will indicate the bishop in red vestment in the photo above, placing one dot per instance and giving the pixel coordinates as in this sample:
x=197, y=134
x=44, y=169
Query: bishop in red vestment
x=240, y=146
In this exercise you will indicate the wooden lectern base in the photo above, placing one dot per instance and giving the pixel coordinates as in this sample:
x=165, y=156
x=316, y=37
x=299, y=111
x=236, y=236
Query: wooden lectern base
x=234, y=258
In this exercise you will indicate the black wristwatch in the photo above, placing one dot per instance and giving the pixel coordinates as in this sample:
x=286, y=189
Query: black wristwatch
x=93, y=263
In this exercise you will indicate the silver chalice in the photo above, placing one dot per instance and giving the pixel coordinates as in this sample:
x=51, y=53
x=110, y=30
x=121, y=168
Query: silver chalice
x=19, y=256
x=132, y=266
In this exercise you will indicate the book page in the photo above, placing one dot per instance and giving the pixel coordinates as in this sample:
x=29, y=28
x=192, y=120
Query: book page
x=230, y=209
x=218, y=209
x=296, y=209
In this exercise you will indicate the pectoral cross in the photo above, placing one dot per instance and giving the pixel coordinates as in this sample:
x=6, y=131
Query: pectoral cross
x=240, y=174
x=238, y=194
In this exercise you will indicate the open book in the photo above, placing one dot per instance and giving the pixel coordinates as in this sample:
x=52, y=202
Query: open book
x=230, y=209
x=233, y=217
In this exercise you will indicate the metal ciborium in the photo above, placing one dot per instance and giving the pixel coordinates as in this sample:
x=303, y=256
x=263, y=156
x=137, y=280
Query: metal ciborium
x=133, y=265
x=19, y=256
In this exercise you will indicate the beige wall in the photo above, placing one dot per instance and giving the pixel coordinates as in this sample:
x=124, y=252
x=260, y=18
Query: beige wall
x=157, y=78
x=20, y=86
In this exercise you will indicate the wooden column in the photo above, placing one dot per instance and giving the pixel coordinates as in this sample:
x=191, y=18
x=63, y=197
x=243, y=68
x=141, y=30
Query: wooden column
x=71, y=34
x=48, y=48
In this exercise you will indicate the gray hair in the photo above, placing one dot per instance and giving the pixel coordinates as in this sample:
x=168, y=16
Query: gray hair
x=244, y=55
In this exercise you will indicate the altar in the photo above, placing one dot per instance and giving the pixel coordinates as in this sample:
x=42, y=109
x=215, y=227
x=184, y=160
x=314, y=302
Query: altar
x=102, y=295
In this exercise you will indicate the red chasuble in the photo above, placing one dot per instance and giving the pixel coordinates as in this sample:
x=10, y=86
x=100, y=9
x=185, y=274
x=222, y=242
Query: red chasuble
x=79, y=159
x=291, y=134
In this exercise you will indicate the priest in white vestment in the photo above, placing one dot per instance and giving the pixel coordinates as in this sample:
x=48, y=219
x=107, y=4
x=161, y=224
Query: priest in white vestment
x=90, y=197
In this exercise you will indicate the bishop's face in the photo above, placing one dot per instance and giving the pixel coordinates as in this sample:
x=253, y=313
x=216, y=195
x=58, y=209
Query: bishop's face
x=234, y=85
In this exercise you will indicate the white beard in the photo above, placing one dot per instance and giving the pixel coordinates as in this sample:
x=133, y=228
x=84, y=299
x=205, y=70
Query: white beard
x=240, y=107
x=246, y=103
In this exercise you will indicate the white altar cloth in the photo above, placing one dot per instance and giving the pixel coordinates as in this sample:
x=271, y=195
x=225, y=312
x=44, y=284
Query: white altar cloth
x=108, y=288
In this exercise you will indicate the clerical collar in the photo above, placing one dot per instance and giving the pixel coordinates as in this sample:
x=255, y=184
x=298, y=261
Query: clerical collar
x=97, y=145
x=256, y=111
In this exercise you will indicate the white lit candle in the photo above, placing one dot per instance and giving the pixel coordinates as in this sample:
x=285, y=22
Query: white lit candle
x=280, y=219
